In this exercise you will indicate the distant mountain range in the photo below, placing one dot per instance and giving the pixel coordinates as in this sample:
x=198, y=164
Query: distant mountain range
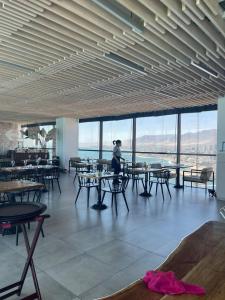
x=203, y=141
x=204, y=136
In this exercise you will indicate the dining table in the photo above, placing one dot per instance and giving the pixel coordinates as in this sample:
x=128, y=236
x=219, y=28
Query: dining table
x=146, y=171
x=199, y=259
x=17, y=169
x=177, y=167
x=99, y=176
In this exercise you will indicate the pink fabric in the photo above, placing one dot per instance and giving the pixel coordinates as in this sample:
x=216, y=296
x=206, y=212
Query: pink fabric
x=167, y=283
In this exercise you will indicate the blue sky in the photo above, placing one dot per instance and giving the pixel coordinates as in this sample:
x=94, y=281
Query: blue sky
x=147, y=126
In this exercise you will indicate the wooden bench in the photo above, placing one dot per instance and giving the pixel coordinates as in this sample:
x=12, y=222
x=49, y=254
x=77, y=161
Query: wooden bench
x=199, y=259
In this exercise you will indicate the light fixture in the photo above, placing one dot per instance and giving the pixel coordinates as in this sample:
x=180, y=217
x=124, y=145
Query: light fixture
x=203, y=67
x=125, y=62
x=122, y=13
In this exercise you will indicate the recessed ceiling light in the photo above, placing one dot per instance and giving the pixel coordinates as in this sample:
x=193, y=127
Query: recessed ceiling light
x=122, y=13
x=203, y=67
x=125, y=62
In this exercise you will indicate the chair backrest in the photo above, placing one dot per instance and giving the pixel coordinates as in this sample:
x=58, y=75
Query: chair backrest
x=121, y=185
x=53, y=172
x=156, y=166
x=43, y=162
x=139, y=165
x=102, y=162
x=163, y=176
x=75, y=159
x=85, y=181
x=206, y=173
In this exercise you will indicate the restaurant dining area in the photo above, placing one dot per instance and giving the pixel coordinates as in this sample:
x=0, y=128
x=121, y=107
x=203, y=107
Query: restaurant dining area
x=112, y=149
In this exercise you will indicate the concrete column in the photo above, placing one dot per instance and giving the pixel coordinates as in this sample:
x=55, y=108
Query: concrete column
x=67, y=133
x=220, y=173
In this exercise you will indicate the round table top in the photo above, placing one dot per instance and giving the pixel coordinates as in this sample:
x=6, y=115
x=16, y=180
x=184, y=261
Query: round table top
x=16, y=212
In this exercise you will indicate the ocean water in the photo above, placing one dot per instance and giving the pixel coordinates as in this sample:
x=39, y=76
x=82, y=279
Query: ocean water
x=147, y=158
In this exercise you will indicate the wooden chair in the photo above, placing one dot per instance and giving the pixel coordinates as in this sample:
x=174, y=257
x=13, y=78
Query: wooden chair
x=159, y=166
x=160, y=178
x=101, y=163
x=26, y=197
x=115, y=189
x=198, y=176
x=73, y=161
x=88, y=184
x=51, y=175
x=136, y=175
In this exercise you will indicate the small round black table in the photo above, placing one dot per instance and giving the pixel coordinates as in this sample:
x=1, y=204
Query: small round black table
x=19, y=214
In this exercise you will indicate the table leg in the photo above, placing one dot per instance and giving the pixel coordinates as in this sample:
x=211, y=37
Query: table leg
x=146, y=193
x=29, y=261
x=178, y=185
x=99, y=205
x=16, y=287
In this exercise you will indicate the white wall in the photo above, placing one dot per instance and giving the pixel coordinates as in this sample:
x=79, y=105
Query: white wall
x=220, y=173
x=67, y=133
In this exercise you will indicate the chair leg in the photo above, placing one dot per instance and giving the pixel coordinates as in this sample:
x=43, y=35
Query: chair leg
x=150, y=188
x=75, y=177
x=17, y=235
x=124, y=197
x=49, y=184
x=191, y=184
x=88, y=196
x=38, y=196
x=156, y=188
x=162, y=191
x=52, y=184
x=35, y=193
x=133, y=184
x=167, y=185
x=115, y=204
x=112, y=199
x=78, y=193
x=103, y=196
x=58, y=185
x=142, y=181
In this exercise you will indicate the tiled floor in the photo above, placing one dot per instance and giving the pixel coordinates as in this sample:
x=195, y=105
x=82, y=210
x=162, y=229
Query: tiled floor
x=87, y=254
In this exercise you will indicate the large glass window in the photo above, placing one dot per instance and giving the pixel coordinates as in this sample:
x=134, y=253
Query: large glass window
x=199, y=136
x=89, y=140
x=156, y=139
x=199, y=132
x=117, y=130
x=156, y=134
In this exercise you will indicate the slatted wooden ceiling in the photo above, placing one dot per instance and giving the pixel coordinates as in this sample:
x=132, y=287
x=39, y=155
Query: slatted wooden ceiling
x=53, y=57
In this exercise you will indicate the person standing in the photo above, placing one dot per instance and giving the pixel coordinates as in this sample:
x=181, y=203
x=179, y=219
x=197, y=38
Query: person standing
x=116, y=156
